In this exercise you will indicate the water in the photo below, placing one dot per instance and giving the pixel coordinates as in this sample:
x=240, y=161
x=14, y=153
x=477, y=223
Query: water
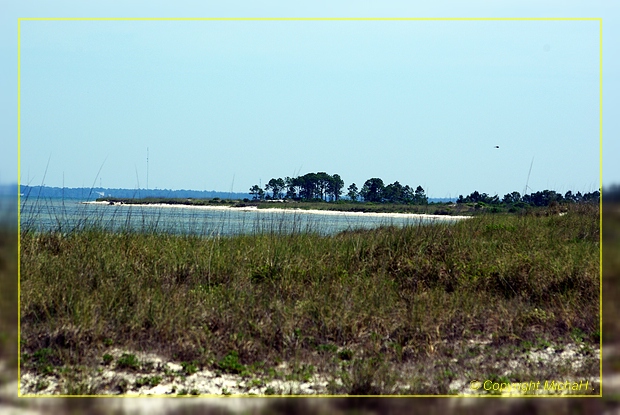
x=69, y=215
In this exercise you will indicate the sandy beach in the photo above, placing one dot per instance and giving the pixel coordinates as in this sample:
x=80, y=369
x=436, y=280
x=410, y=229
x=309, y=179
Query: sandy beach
x=285, y=210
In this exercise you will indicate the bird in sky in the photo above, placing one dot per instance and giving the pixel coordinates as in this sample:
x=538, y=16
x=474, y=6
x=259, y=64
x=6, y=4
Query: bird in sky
x=496, y=146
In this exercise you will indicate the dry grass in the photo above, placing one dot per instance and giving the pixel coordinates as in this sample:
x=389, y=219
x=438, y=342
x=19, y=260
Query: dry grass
x=389, y=295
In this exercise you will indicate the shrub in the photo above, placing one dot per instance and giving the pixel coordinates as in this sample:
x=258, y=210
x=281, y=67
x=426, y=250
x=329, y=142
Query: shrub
x=128, y=361
x=230, y=364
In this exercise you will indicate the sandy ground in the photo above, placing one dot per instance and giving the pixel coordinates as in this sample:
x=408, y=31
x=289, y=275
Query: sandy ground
x=287, y=210
x=173, y=380
x=11, y=404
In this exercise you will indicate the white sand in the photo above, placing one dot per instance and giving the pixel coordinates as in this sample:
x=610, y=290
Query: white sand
x=286, y=210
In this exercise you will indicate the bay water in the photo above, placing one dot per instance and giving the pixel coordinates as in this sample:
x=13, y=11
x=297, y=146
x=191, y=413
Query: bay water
x=67, y=215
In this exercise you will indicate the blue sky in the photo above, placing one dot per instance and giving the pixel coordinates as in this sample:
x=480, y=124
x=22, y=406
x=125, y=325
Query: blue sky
x=222, y=105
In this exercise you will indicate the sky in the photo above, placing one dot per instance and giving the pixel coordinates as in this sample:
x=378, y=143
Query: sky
x=224, y=105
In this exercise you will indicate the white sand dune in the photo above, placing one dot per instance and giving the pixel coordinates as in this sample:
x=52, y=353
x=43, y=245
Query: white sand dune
x=287, y=210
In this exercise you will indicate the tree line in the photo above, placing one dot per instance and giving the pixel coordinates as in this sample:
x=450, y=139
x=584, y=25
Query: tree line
x=540, y=198
x=329, y=188
x=322, y=186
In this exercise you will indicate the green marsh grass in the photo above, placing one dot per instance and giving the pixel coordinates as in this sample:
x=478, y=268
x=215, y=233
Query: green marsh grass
x=391, y=295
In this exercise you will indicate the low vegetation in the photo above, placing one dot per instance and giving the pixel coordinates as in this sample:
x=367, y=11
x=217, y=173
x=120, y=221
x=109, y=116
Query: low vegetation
x=357, y=306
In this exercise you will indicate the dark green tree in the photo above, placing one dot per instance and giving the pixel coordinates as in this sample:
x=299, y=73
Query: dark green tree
x=309, y=189
x=394, y=193
x=276, y=186
x=543, y=198
x=322, y=184
x=335, y=187
x=419, y=197
x=513, y=197
x=408, y=194
x=477, y=197
x=257, y=193
x=353, y=192
x=372, y=191
x=592, y=197
x=578, y=197
x=291, y=191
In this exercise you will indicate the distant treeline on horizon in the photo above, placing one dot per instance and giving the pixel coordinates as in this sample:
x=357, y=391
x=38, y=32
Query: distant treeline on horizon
x=611, y=193
x=87, y=193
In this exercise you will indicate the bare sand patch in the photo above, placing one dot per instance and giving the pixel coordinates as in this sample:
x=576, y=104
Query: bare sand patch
x=286, y=210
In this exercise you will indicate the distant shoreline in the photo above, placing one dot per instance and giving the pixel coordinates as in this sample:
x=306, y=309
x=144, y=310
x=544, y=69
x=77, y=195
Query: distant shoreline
x=283, y=210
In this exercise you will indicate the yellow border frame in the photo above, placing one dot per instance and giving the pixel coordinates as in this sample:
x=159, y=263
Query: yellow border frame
x=600, y=20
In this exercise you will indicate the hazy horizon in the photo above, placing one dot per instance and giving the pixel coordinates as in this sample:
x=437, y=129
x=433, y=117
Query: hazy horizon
x=240, y=192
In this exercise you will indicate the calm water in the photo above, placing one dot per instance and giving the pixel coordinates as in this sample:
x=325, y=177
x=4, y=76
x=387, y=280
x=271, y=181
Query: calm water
x=67, y=215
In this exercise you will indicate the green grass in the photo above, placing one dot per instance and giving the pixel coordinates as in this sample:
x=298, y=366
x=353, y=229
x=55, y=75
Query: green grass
x=378, y=296
x=230, y=364
x=189, y=368
x=107, y=359
x=150, y=381
x=128, y=361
